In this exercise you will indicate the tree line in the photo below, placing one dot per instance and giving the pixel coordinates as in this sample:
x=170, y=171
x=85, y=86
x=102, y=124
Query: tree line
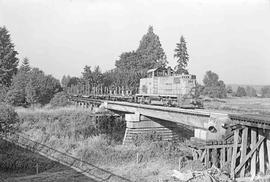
x=25, y=85
x=249, y=91
x=133, y=65
x=22, y=85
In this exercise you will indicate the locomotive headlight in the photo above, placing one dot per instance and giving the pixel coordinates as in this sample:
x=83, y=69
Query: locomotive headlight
x=212, y=129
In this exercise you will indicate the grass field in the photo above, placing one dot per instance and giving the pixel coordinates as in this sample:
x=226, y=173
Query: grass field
x=242, y=104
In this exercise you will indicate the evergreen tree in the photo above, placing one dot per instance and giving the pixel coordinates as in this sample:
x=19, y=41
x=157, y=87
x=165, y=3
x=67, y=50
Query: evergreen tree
x=87, y=75
x=182, y=57
x=25, y=67
x=32, y=91
x=129, y=61
x=16, y=94
x=8, y=59
x=150, y=51
x=64, y=81
x=134, y=65
x=97, y=76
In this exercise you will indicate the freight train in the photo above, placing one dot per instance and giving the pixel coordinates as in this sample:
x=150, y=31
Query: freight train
x=162, y=86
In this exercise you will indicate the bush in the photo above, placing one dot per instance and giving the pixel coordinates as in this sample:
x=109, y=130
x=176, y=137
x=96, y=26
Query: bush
x=41, y=88
x=146, y=138
x=16, y=98
x=213, y=87
x=241, y=92
x=251, y=92
x=3, y=93
x=8, y=118
x=113, y=127
x=265, y=92
x=60, y=99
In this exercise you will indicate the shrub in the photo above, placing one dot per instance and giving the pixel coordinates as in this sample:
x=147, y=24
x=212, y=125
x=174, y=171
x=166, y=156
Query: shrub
x=8, y=118
x=113, y=127
x=41, y=88
x=60, y=99
x=265, y=92
x=16, y=98
x=251, y=92
x=3, y=93
x=146, y=138
x=213, y=87
x=241, y=92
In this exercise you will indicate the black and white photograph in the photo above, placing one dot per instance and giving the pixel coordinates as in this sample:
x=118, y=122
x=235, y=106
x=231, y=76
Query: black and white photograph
x=134, y=90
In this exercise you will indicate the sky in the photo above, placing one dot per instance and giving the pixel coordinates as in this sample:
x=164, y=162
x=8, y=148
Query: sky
x=229, y=37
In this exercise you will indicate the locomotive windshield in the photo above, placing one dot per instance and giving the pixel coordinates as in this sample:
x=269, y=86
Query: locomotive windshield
x=159, y=72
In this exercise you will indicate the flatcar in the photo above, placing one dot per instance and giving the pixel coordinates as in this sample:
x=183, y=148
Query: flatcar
x=163, y=86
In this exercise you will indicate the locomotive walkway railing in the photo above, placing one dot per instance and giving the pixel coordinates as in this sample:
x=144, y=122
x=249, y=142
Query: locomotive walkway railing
x=93, y=172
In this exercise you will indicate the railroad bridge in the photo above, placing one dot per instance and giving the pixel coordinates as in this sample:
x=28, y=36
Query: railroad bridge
x=170, y=122
x=245, y=148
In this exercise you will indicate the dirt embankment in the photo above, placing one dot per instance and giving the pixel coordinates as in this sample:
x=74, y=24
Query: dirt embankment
x=18, y=164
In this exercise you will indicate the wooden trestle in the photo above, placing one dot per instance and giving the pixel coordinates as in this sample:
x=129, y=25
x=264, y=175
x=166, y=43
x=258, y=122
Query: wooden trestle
x=245, y=153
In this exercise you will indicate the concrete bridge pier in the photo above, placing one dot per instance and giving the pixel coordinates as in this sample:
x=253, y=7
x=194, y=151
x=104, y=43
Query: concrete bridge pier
x=138, y=126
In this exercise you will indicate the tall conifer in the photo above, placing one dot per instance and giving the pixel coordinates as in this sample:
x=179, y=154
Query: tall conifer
x=182, y=57
x=8, y=59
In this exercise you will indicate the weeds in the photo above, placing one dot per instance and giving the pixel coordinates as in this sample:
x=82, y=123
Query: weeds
x=76, y=132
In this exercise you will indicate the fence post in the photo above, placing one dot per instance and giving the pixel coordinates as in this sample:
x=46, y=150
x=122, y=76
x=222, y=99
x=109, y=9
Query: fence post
x=37, y=168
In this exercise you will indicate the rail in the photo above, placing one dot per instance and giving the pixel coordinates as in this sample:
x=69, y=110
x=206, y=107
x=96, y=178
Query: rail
x=81, y=166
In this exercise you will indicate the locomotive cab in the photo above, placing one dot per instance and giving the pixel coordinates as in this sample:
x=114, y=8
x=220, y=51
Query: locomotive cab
x=159, y=72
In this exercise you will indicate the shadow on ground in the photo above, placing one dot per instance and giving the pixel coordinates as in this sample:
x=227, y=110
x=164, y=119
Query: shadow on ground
x=19, y=164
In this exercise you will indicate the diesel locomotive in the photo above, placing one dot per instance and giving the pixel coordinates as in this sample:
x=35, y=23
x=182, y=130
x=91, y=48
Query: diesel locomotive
x=162, y=85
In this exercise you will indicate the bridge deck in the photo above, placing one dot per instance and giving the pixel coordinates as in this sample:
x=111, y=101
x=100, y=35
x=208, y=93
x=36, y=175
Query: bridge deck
x=260, y=121
x=201, y=112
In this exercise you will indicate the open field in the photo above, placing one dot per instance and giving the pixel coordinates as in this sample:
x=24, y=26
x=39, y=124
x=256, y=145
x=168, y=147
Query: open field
x=240, y=104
